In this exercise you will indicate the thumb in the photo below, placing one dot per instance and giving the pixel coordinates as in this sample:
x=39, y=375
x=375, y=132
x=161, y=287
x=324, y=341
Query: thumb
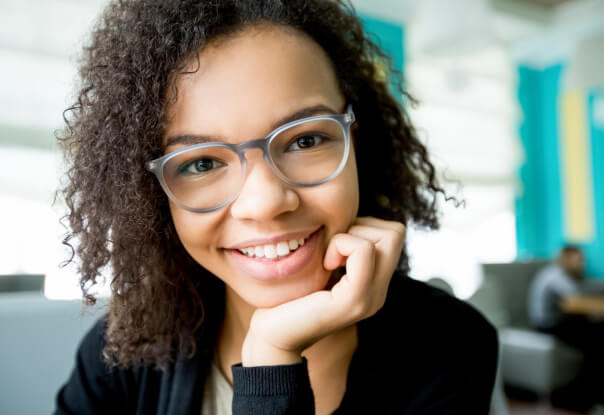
x=333, y=258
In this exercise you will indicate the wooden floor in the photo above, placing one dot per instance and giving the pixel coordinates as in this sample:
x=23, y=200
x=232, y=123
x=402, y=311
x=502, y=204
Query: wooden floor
x=523, y=407
x=523, y=402
x=533, y=408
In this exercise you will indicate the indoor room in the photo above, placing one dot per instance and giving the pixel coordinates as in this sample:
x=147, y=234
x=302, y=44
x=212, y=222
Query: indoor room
x=490, y=115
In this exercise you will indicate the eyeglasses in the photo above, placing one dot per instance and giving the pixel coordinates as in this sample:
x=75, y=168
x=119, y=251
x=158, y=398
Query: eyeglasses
x=208, y=176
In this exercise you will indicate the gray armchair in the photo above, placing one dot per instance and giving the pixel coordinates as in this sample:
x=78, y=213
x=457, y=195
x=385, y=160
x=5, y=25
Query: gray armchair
x=529, y=359
x=38, y=342
x=499, y=404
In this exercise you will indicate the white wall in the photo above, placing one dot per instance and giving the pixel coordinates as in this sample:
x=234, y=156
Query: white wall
x=39, y=44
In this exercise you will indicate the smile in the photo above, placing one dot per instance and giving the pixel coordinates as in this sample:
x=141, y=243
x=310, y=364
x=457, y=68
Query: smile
x=272, y=251
x=278, y=259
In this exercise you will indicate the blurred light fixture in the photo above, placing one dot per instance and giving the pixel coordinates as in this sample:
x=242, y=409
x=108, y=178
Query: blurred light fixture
x=445, y=28
x=586, y=66
x=598, y=112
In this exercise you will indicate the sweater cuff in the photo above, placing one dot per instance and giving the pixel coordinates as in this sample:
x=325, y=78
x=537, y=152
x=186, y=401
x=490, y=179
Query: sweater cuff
x=270, y=380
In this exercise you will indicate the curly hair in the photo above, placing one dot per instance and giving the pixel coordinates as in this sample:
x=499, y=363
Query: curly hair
x=117, y=212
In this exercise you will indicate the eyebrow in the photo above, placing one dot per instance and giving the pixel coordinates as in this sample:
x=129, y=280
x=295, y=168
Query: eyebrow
x=191, y=139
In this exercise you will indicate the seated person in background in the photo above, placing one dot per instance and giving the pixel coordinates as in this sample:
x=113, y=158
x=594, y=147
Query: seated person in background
x=561, y=278
x=552, y=283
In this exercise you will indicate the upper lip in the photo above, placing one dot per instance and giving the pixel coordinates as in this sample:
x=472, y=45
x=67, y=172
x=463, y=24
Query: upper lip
x=284, y=237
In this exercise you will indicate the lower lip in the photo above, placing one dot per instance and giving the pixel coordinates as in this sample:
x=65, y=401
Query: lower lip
x=266, y=270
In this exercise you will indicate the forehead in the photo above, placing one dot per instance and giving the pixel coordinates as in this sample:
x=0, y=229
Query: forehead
x=241, y=84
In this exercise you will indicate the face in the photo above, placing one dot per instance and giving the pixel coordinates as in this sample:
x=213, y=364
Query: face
x=573, y=262
x=243, y=87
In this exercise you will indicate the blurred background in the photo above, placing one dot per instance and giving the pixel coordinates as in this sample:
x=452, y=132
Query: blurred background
x=510, y=103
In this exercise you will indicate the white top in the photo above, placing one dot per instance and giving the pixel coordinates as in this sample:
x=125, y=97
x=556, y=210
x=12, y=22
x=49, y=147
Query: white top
x=217, y=393
x=547, y=288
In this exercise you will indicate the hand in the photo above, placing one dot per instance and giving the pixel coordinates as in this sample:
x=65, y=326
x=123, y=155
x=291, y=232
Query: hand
x=370, y=250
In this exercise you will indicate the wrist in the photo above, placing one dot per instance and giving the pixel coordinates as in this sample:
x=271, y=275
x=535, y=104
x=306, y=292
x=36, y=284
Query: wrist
x=258, y=353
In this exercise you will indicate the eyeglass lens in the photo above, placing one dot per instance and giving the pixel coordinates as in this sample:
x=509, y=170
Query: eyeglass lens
x=306, y=153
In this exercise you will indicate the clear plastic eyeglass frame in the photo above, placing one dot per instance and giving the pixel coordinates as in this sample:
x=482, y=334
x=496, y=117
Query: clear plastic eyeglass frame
x=345, y=120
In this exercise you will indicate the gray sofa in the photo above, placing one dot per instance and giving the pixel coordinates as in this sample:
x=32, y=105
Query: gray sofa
x=529, y=359
x=38, y=342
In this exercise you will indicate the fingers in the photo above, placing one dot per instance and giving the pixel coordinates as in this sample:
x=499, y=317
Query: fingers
x=369, y=228
x=397, y=227
x=370, y=250
x=358, y=254
x=389, y=242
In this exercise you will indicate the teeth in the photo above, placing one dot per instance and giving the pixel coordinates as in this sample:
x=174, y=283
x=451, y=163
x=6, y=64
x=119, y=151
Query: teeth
x=282, y=248
x=269, y=251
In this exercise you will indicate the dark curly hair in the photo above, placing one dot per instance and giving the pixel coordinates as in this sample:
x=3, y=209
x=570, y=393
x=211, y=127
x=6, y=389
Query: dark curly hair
x=118, y=214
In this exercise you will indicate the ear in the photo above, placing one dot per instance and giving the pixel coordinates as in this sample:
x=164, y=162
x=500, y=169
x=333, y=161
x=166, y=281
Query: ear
x=354, y=131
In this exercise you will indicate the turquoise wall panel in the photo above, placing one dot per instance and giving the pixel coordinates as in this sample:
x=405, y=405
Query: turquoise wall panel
x=595, y=250
x=540, y=214
x=538, y=209
x=390, y=36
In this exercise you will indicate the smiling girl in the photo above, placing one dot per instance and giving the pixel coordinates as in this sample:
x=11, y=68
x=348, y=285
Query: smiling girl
x=247, y=175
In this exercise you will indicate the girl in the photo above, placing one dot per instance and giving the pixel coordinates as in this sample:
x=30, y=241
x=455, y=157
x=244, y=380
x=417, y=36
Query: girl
x=246, y=174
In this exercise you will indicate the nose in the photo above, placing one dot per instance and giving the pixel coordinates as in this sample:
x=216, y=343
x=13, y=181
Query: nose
x=263, y=195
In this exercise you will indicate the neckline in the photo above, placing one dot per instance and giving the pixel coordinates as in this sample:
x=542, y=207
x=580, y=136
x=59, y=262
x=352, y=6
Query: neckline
x=215, y=368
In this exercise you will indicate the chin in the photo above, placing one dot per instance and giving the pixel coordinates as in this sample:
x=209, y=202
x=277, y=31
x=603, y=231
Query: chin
x=269, y=297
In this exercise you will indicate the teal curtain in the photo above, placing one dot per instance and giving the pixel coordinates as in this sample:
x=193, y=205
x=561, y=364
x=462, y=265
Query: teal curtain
x=390, y=36
x=540, y=214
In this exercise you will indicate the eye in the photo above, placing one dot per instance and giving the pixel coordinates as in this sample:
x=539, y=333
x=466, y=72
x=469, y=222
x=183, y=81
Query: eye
x=199, y=166
x=306, y=141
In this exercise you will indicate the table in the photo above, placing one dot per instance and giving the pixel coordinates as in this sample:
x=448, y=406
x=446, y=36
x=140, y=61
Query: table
x=588, y=304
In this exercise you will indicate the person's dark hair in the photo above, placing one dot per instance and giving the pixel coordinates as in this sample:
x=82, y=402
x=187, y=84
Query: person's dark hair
x=118, y=214
x=570, y=249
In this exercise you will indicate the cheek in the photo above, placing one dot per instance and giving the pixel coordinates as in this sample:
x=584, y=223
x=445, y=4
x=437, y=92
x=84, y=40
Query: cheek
x=181, y=224
x=342, y=200
x=193, y=229
x=338, y=199
x=346, y=191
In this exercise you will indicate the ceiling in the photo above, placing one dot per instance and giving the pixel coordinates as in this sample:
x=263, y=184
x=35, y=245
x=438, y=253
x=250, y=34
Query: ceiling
x=548, y=3
x=536, y=32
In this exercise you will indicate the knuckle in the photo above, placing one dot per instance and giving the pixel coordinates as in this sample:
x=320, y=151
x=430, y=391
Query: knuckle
x=398, y=235
x=399, y=228
x=377, y=305
x=367, y=245
x=360, y=310
x=372, y=308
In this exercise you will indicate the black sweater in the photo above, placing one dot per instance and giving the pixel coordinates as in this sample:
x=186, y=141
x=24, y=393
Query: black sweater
x=424, y=352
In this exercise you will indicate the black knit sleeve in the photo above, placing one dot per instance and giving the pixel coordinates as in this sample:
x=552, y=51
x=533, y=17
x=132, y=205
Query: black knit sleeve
x=280, y=389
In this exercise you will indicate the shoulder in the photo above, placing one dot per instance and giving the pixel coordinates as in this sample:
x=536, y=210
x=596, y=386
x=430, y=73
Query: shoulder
x=91, y=361
x=554, y=277
x=91, y=381
x=92, y=367
x=93, y=342
x=420, y=303
x=89, y=356
x=94, y=386
x=549, y=272
x=430, y=350
x=426, y=318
